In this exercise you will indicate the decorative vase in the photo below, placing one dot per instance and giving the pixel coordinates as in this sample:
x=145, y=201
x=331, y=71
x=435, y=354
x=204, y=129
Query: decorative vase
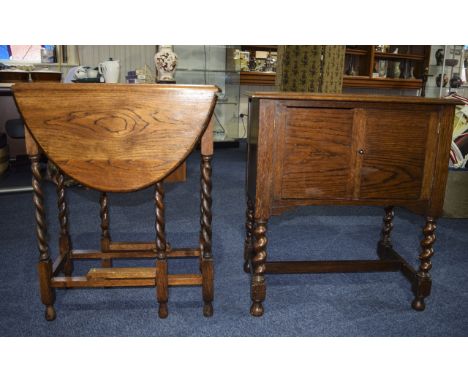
x=350, y=71
x=382, y=65
x=396, y=70
x=411, y=71
x=407, y=70
x=456, y=81
x=166, y=61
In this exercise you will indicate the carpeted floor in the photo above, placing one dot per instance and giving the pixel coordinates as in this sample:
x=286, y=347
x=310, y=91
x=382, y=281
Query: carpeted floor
x=370, y=304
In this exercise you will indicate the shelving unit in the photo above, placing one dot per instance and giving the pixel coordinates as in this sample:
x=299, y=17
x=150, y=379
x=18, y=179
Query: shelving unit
x=385, y=66
x=363, y=59
x=258, y=78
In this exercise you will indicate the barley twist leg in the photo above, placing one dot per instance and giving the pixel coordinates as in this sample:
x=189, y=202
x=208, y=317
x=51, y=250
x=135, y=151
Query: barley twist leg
x=259, y=267
x=423, y=282
x=206, y=235
x=161, y=253
x=45, y=263
x=64, y=240
x=105, y=234
x=249, y=226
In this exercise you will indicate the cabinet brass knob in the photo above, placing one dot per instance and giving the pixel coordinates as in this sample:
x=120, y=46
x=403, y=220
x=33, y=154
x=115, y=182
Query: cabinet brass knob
x=361, y=151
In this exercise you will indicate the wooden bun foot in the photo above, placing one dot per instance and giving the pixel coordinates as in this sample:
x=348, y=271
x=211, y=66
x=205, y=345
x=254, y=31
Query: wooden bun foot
x=162, y=311
x=208, y=309
x=50, y=313
x=256, y=309
x=418, y=304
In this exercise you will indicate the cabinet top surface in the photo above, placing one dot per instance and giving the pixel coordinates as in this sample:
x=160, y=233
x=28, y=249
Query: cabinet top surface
x=351, y=97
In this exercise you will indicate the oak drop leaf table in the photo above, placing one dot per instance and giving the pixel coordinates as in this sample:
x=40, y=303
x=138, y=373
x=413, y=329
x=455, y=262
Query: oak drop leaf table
x=327, y=149
x=118, y=138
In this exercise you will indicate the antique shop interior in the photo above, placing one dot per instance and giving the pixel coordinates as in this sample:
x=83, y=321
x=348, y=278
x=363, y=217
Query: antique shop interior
x=371, y=142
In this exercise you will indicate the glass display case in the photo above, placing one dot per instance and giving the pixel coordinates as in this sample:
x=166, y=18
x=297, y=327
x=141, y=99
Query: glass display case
x=214, y=65
x=447, y=71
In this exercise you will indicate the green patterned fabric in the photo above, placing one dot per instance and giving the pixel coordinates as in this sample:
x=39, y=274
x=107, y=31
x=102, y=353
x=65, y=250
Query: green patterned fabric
x=301, y=68
x=333, y=64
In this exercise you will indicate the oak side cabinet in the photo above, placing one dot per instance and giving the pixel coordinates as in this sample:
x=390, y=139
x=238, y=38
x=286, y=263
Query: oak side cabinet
x=319, y=149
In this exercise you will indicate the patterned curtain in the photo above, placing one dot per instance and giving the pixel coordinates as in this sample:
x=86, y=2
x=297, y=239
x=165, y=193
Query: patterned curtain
x=310, y=68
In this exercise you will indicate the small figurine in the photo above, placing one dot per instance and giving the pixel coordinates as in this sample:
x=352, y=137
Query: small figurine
x=439, y=55
x=438, y=80
x=252, y=63
x=456, y=81
x=269, y=61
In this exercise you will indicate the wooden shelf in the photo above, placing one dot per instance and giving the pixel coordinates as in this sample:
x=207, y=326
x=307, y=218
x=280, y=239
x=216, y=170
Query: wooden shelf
x=356, y=52
x=257, y=78
x=384, y=83
x=260, y=47
x=395, y=56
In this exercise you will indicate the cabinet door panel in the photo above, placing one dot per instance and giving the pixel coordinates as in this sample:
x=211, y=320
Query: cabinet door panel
x=317, y=153
x=395, y=152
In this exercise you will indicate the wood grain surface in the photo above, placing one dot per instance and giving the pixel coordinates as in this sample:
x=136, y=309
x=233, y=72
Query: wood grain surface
x=317, y=155
x=116, y=137
x=394, y=158
x=355, y=98
x=323, y=149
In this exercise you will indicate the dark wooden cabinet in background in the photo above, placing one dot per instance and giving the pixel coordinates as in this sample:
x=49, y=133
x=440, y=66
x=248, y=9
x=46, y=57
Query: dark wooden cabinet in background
x=361, y=66
x=402, y=70
x=316, y=149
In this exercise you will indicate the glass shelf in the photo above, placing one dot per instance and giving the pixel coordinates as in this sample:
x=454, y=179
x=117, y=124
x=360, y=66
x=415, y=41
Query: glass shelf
x=449, y=52
x=214, y=65
x=207, y=70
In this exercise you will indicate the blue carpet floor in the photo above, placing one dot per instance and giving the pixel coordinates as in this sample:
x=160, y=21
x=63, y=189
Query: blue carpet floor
x=367, y=304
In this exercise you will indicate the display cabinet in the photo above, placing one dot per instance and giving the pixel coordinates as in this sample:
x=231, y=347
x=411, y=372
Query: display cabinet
x=447, y=71
x=385, y=66
x=214, y=65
